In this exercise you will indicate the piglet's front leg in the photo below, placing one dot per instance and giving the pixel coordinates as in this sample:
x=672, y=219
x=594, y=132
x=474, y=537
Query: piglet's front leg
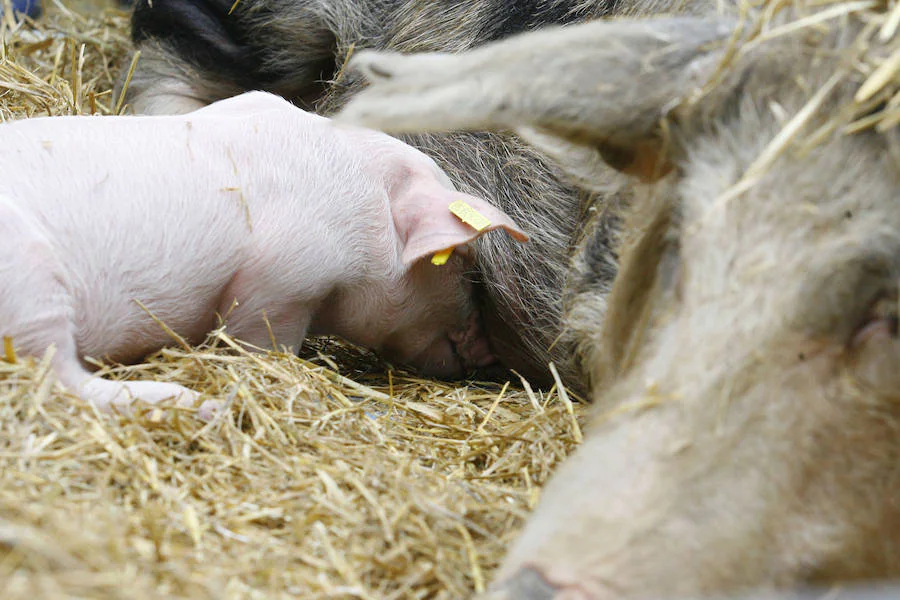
x=269, y=325
x=120, y=395
x=50, y=326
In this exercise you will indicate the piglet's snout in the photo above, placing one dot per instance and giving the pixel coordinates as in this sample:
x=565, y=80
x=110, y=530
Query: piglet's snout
x=472, y=345
x=457, y=352
x=439, y=359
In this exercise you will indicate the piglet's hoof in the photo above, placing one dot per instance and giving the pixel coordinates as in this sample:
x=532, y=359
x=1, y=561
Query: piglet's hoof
x=210, y=409
x=207, y=412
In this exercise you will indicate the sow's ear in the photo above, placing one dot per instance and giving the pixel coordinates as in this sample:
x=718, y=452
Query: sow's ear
x=583, y=93
x=426, y=225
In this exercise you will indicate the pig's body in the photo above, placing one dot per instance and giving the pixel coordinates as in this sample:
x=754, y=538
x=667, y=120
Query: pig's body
x=747, y=431
x=250, y=209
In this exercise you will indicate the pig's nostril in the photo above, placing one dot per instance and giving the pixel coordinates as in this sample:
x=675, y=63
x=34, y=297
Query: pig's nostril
x=530, y=584
x=881, y=317
x=885, y=310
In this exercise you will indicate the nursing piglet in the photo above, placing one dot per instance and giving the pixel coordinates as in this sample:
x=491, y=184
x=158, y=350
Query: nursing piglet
x=249, y=210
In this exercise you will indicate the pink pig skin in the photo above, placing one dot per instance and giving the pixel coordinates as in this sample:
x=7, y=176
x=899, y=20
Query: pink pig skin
x=245, y=208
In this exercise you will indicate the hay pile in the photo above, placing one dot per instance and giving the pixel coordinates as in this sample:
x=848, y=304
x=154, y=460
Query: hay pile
x=329, y=477
x=869, y=64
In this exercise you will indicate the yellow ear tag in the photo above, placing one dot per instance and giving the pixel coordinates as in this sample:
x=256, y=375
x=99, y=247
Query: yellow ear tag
x=469, y=215
x=8, y=350
x=441, y=257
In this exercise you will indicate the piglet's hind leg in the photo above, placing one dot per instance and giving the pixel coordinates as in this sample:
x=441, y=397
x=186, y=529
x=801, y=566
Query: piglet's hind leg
x=107, y=395
x=120, y=396
x=44, y=322
x=36, y=311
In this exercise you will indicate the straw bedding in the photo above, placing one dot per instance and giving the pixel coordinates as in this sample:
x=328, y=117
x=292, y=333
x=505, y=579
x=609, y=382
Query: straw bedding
x=330, y=476
x=311, y=485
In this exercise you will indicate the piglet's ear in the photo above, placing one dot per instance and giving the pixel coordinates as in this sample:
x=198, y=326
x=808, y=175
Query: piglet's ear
x=426, y=225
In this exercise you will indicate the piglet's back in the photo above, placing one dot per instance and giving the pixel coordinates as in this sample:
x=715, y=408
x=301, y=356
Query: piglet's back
x=211, y=172
x=164, y=163
x=129, y=202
